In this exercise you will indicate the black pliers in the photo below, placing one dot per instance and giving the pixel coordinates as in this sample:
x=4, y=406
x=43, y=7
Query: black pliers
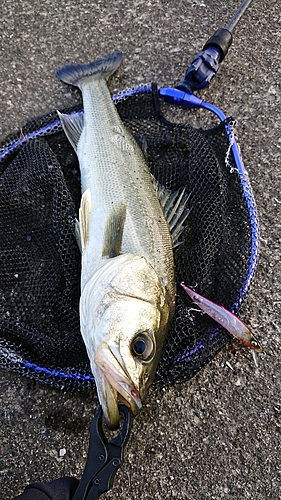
x=104, y=457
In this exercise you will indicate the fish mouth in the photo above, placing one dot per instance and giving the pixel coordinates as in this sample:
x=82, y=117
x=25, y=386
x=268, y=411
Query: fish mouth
x=114, y=384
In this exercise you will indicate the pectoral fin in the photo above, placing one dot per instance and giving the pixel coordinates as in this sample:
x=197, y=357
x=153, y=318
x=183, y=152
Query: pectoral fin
x=72, y=125
x=84, y=217
x=114, y=231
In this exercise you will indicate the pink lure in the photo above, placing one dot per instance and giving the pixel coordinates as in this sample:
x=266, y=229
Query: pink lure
x=225, y=318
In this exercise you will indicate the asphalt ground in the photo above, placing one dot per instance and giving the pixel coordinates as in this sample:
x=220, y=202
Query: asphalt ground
x=216, y=436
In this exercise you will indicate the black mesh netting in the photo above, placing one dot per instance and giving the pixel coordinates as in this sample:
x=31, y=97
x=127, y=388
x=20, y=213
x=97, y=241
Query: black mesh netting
x=40, y=260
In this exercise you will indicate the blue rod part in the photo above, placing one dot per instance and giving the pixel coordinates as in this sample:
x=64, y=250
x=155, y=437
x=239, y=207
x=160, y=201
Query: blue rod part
x=180, y=98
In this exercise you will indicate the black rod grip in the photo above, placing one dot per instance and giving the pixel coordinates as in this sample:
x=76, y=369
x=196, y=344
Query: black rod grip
x=222, y=39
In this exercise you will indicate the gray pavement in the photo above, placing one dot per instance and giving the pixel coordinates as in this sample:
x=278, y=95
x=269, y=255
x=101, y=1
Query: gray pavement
x=217, y=436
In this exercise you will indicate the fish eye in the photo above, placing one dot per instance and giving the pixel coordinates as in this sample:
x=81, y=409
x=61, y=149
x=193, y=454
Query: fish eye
x=142, y=346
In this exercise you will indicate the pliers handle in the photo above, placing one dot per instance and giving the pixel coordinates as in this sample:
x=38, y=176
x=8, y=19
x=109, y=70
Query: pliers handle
x=104, y=457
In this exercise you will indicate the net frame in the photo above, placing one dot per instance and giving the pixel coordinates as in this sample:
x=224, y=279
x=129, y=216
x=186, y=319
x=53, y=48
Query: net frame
x=70, y=378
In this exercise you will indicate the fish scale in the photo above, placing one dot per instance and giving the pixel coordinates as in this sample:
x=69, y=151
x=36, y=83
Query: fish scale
x=119, y=174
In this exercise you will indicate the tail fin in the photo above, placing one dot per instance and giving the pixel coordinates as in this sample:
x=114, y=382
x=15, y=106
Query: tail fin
x=100, y=68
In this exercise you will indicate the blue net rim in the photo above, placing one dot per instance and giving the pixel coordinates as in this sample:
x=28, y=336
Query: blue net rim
x=185, y=100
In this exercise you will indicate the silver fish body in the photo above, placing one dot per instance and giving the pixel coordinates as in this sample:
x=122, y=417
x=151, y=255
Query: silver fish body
x=127, y=282
x=113, y=167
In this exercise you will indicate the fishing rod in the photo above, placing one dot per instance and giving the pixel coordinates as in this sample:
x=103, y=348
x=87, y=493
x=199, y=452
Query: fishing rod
x=205, y=65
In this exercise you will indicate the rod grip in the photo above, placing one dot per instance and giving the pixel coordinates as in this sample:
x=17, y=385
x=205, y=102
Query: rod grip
x=221, y=39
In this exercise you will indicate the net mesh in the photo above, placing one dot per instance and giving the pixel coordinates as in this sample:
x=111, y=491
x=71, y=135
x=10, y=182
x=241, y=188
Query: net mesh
x=40, y=260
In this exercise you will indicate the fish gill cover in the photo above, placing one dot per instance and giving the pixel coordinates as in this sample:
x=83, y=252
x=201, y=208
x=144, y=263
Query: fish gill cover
x=40, y=261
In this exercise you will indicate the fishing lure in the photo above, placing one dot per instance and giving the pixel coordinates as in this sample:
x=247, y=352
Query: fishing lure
x=226, y=319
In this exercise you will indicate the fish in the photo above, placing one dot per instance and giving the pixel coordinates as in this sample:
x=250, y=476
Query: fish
x=225, y=318
x=127, y=230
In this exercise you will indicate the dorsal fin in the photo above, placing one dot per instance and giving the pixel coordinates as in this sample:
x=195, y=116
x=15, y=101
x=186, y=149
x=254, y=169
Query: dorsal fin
x=84, y=217
x=113, y=233
x=175, y=210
